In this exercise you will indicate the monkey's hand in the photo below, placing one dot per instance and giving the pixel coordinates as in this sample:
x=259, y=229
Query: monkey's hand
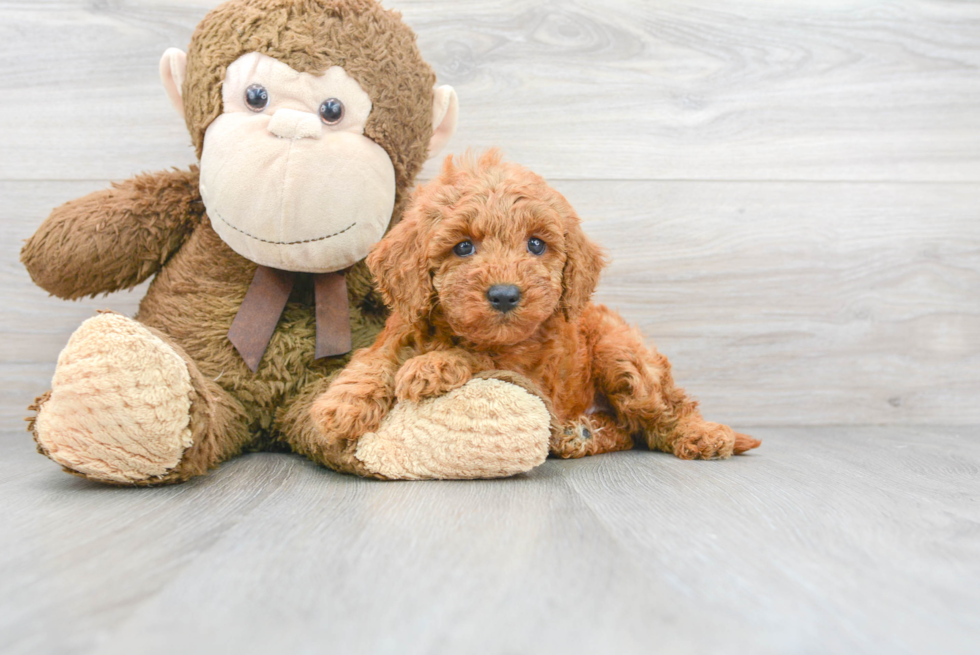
x=435, y=373
x=115, y=238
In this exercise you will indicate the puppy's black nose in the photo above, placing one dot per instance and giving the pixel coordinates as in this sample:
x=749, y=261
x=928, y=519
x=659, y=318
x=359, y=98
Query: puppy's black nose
x=504, y=297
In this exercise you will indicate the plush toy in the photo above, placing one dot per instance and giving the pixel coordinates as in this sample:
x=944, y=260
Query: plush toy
x=311, y=119
x=490, y=271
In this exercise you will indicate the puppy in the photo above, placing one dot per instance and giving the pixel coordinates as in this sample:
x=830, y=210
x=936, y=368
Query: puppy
x=490, y=270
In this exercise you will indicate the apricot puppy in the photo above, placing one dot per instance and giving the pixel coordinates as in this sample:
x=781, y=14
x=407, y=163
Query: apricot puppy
x=490, y=271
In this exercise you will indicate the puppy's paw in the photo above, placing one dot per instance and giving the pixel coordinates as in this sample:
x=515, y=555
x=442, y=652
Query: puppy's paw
x=328, y=416
x=429, y=375
x=340, y=417
x=572, y=442
x=591, y=434
x=704, y=440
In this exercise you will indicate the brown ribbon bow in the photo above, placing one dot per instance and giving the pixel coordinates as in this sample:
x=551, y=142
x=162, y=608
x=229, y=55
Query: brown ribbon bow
x=265, y=301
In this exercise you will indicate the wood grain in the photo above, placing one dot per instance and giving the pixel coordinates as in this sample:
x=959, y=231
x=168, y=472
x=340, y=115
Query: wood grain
x=827, y=540
x=747, y=90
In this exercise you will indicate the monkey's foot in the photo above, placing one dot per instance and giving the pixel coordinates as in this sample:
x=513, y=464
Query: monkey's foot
x=488, y=428
x=119, y=407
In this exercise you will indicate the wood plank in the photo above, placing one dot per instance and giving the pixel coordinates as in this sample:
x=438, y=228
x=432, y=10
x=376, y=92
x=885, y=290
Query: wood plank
x=748, y=90
x=825, y=540
x=867, y=535
x=778, y=304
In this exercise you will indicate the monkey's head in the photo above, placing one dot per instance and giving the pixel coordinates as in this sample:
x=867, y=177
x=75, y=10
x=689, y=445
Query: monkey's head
x=311, y=118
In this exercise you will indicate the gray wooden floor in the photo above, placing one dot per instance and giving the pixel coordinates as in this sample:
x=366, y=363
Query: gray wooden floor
x=827, y=540
x=790, y=193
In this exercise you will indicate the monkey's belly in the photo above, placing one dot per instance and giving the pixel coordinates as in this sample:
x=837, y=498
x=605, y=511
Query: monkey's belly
x=197, y=313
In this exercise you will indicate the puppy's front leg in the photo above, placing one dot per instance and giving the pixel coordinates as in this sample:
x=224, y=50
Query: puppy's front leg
x=436, y=373
x=359, y=397
x=638, y=384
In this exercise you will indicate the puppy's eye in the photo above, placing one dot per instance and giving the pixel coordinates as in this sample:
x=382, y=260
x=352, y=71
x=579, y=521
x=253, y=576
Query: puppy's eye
x=464, y=249
x=331, y=111
x=256, y=97
x=535, y=246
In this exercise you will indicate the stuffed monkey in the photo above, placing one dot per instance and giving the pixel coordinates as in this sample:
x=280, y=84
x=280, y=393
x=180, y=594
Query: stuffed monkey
x=311, y=120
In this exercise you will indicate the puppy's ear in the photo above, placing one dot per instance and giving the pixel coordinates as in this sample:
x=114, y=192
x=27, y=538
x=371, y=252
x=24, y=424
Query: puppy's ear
x=584, y=260
x=401, y=269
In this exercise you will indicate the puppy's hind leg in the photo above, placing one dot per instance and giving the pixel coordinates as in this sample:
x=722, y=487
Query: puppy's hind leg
x=592, y=434
x=638, y=384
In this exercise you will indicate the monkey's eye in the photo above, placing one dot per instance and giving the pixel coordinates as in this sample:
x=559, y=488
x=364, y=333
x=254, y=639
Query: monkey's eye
x=331, y=111
x=535, y=246
x=256, y=97
x=464, y=249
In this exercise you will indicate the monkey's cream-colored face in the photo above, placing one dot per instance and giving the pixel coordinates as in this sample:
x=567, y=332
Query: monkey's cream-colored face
x=287, y=176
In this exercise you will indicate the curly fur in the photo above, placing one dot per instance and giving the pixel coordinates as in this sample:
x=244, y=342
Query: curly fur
x=605, y=385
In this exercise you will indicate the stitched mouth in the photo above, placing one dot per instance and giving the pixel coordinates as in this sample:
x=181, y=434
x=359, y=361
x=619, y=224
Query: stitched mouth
x=283, y=243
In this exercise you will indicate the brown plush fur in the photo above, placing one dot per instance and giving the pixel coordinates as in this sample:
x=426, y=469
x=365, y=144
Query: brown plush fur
x=156, y=224
x=605, y=385
x=114, y=239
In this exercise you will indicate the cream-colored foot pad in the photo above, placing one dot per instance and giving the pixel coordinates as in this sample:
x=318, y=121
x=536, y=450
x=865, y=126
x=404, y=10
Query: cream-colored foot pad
x=485, y=429
x=120, y=402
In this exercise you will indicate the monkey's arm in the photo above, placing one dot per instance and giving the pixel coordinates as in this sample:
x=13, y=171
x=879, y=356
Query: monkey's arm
x=116, y=238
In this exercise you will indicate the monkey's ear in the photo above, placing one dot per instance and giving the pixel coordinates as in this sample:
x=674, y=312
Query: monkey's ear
x=401, y=270
x=445, y=115
x=173, y=69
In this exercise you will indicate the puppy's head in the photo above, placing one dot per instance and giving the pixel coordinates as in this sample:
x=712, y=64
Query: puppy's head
x=491, y=248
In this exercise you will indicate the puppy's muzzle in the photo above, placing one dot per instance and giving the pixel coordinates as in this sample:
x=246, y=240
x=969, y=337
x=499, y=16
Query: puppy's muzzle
x=504, y=297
